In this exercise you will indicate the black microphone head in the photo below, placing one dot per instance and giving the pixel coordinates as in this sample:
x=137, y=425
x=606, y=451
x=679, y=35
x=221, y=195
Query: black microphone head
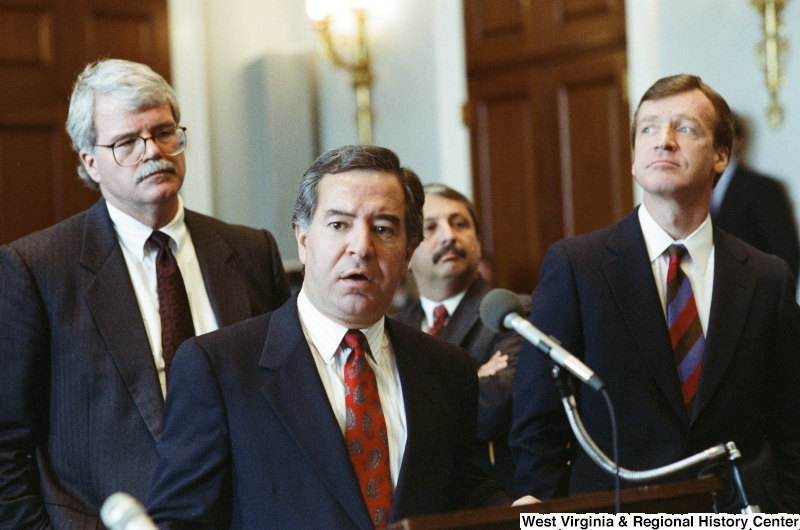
x=496, y=305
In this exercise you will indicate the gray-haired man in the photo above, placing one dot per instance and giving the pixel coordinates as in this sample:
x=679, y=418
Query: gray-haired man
x=83, y=365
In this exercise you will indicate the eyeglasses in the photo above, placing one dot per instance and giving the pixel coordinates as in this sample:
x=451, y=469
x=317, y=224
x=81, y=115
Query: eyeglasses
x=130, y=151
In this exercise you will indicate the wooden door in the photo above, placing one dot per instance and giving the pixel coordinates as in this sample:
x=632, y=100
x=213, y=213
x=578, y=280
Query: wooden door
x=44, y=44
x=549, y=125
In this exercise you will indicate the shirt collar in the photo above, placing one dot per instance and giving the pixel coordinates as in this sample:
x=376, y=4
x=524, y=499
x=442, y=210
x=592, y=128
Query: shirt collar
x=450, y=304
x=133, y=234
x=699, y=243
x=327, y=335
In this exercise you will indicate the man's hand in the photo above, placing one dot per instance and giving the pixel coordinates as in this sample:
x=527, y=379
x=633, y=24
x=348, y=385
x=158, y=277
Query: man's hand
x=498, y=361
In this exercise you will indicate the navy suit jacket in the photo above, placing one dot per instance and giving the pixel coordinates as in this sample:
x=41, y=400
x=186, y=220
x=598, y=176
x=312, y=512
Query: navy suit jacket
x=755, y=208
x=80, y=399
x=597, y=295
x=251, y=442
x=464, y=327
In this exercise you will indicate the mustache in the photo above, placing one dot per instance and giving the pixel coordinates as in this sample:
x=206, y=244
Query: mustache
x=154, y=166
x=447, y=248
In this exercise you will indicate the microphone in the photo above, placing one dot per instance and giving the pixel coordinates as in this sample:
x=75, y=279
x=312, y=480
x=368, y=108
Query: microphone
x=121, y=511
x=501, y=311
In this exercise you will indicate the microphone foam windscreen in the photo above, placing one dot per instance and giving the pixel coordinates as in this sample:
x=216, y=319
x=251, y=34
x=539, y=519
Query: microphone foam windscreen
x=496, y=305
x=120, y=509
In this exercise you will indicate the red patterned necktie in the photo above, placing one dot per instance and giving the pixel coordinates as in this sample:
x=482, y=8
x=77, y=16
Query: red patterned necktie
x=173, y=303
x=365, y=430
x=439, y=318
x=685, y=331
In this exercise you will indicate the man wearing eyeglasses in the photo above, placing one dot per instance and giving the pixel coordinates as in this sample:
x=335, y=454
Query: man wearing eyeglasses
x=92, y=308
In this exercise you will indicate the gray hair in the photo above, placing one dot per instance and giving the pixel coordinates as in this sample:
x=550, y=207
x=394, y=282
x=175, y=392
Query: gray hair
x=352, y=157
x=134, y=85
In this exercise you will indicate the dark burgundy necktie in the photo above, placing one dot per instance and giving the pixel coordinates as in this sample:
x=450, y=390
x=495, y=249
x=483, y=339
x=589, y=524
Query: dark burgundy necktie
x=439, y=319
x=365, y=430
x=685, y=331
x=173, y=303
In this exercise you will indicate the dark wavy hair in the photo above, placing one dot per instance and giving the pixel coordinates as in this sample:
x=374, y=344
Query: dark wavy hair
x=447, y=192
x=351, y=157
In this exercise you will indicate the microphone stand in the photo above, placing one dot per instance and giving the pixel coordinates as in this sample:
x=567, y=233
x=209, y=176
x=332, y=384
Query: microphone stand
x=716, y=454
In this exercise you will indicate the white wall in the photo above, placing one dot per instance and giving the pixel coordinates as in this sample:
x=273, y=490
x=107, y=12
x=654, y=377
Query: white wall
x=420, y=85
x=717, y=39
x=217, y=47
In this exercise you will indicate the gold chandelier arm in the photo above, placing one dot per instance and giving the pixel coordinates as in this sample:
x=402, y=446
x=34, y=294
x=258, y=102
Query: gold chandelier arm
x=771, y=52
x=359, y=67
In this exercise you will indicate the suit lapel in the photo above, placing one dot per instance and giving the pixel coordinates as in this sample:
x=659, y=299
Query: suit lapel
x=630, y=279
x=467, y=313
x=733, y=290
x=113, y=304
x=226, y=289
x=419, y=400
x=412, y=314
x=295, y=393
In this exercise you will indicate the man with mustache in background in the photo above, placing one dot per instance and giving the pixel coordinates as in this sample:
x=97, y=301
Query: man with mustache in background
x=445, y=270
x=88, y=326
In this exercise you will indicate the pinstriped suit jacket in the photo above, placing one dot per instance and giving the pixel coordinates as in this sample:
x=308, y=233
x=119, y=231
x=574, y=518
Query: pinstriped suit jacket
x=80, y=400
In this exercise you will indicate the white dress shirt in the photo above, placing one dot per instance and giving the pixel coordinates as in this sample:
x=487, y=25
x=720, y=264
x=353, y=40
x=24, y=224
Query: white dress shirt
x=140, y=257
x=698, y=265
x=324, y=337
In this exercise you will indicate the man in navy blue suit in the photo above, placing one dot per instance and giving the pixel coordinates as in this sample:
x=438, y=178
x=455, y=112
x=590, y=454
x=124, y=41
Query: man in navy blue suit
x=604, y=294
x=755, y=207
x=257, y=414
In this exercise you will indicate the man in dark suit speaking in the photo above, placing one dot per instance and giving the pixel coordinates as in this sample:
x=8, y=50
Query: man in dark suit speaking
x=86, y=331
x=695, y=333
x=324, y=413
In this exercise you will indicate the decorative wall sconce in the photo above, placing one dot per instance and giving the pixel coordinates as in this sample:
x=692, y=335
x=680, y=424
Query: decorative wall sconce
x=772, y=52
x=321, y=13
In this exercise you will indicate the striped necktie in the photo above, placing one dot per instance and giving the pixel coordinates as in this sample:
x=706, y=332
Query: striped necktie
x=685, y=331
